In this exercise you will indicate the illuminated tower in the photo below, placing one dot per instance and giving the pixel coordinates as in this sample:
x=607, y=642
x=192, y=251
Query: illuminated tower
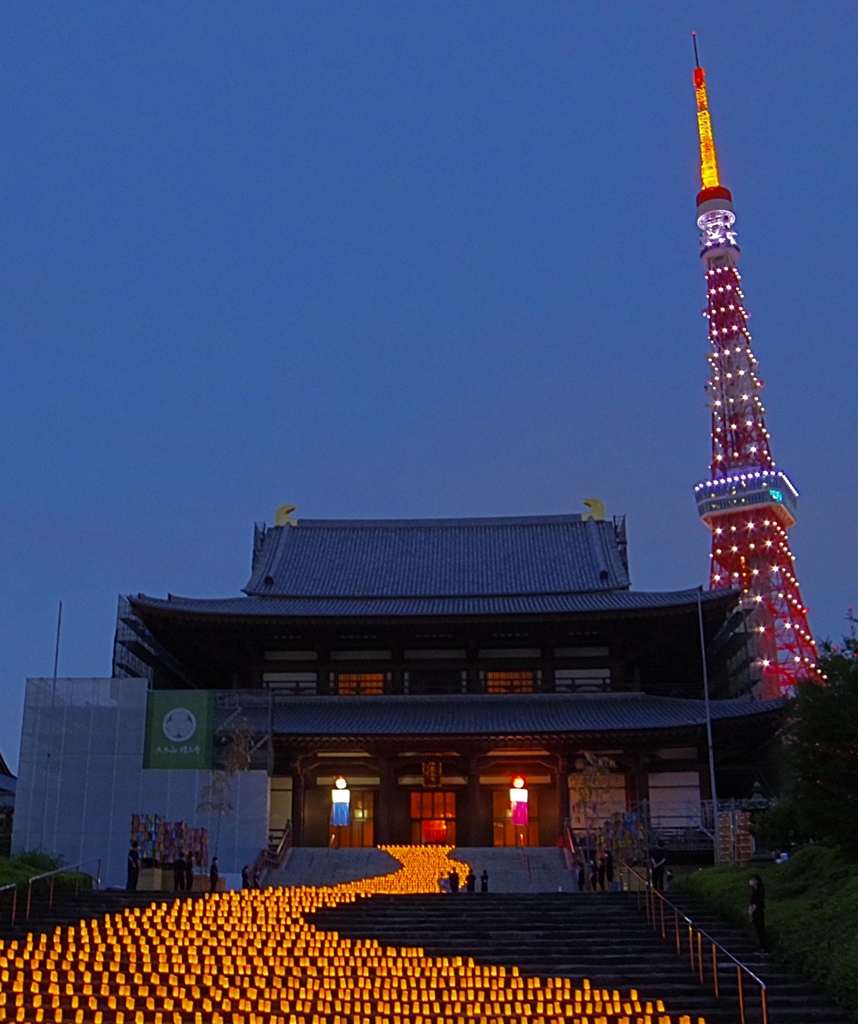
x=747, y=502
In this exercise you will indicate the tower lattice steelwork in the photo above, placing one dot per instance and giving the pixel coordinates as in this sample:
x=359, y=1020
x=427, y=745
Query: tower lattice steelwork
x=747, y=502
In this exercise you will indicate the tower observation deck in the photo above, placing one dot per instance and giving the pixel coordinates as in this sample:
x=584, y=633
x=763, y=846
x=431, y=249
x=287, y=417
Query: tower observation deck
x=746, y=501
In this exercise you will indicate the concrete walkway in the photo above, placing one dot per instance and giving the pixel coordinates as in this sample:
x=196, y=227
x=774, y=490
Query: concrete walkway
x=309, y=865
x=524, y=870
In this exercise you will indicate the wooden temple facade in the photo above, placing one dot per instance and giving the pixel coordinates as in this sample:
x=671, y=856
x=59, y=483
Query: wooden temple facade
x=430, y=662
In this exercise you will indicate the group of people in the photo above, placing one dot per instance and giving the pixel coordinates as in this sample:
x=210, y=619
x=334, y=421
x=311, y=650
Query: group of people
x=250, y=879
x=601, y=872
x=183, y=871
x=452, y=883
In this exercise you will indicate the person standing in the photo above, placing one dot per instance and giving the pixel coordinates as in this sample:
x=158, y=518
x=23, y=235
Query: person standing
x=484, y=881
x=470, y=880
x=609, y=868
x=214, y=874
x=189, y=872
x=757, y=909
x=454, y=881
x=658, y=860
x=602, y=872
x=594, y=874
x=582, y=876
x=133, y=868
x=245, y=877
x=179, y=870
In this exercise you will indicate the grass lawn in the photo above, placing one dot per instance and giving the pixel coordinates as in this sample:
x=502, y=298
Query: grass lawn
x=811, y=913
x=19, y=869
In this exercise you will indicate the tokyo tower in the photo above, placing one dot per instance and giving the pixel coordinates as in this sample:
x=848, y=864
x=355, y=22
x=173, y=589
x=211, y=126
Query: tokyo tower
x=747, y=502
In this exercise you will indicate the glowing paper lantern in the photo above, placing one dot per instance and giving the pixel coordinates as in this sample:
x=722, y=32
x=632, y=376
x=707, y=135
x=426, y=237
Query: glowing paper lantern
x=518, y=799
x=340, y=799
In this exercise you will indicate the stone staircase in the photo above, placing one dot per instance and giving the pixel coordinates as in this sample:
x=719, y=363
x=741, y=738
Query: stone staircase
x=68, y=910
x=603, y=937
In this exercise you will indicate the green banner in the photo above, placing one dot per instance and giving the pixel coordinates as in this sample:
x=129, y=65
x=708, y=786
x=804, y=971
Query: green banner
x=179, y=728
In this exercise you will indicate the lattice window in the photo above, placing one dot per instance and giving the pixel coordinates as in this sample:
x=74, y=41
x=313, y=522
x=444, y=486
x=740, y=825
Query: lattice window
x=509, y=682
x=360, y=684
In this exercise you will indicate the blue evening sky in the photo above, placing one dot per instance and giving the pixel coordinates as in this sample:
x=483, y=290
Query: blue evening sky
x=400, y=258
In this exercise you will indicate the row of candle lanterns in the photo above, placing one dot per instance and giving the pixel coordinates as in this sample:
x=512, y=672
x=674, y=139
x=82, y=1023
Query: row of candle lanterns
x=254, y=958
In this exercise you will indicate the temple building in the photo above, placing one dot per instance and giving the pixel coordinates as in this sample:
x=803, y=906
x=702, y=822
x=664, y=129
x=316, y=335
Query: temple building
x=428, y=663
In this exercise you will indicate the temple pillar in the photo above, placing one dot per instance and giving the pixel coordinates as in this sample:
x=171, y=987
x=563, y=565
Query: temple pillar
x=297, y=808
x=386, y=797
x=562, y=792
x=469, y=831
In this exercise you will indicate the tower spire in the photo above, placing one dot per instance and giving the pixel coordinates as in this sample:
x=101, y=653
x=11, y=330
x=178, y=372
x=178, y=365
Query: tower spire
x=709, y=177
x=747, y=502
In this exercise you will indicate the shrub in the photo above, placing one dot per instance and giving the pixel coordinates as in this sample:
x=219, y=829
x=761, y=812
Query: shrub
x=812, y=907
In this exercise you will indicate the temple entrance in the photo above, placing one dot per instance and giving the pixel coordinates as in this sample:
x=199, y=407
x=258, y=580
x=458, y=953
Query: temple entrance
x=507, y=834
x=361, y=831
x=433, y=817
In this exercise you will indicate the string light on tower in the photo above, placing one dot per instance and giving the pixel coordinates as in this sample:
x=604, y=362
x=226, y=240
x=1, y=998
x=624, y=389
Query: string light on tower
x=747, y=502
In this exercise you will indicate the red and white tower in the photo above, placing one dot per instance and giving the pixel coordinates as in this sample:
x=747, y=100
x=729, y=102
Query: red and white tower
x=747, y=502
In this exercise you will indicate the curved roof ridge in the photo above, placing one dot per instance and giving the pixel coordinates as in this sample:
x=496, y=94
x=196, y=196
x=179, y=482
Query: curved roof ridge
x=437, y=523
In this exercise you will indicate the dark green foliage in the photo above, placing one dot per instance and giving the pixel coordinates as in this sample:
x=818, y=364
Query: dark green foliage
x=25, y=865
x=812, y=909
x=821, y=756
x=780, y=828
x=38, y=861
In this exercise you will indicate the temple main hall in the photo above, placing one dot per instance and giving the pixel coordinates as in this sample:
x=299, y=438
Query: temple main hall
x=430, y=662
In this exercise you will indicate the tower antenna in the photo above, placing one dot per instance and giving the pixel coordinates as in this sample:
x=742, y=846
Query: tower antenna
x=696, y=56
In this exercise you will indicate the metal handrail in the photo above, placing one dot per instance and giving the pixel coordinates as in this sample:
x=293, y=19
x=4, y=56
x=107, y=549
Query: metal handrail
x=66, y=869
x=14, y=887
x=272, y=860
x=655, y=904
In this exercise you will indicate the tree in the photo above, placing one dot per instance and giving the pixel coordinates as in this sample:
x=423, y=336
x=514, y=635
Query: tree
x=238, y=745
x=821, y=754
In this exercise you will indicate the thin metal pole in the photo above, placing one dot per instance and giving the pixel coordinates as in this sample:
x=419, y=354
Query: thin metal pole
x=764, y=1005
x=741, y=993
x=57, y=647
x=712, y=786
x=50, y=723
x=700, y=954
x=715, y=969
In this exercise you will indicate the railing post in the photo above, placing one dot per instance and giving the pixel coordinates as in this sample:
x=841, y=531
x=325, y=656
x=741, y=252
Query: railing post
x=29, y=899
x=700, y=954
x=676, y=929
x=98, y=875
x=764, y=1005
x=14, y=903
x=663, y=932
x=715, y=969
x=691, y=945
x=741, y=994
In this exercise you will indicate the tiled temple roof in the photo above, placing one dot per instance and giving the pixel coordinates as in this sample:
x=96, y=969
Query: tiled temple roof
x=385, y=558
x=499, y=715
